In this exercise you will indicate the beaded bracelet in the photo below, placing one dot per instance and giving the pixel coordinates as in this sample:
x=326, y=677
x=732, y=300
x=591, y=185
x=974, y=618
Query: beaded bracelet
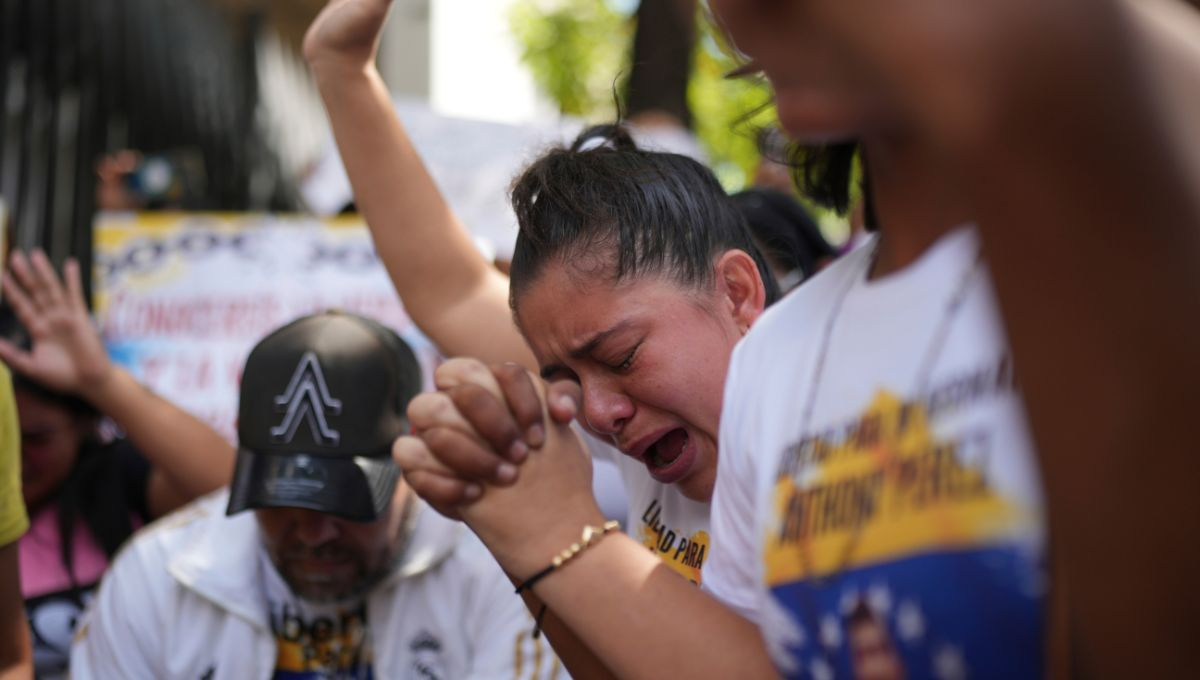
x=590, y=535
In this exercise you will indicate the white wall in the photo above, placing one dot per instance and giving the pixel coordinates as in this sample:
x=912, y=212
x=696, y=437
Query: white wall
x=404, y=53
x=476, y=70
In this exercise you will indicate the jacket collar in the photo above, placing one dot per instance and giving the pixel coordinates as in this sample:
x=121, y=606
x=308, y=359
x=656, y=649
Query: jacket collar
x=220, y=559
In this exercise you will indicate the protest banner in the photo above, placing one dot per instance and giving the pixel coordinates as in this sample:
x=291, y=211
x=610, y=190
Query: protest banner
x=181, y=298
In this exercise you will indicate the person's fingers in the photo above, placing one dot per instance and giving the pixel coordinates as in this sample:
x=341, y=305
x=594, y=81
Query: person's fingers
x=470, y=458
x=435, y=409
x=521, y=394
x=490, y=419
x=430, y=480
x=462, y=370
x=512, y=389
x=22, y=274
x=21, y=304
x=48, y=283
x=74, y=280
x=563, y=399
x=412, y=455
x=443, y=494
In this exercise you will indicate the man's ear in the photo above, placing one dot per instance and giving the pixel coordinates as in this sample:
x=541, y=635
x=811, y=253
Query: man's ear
x=741, y=286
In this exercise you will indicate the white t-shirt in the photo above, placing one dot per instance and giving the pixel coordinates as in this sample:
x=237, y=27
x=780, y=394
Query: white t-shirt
x=870, y=525
x=661, y=518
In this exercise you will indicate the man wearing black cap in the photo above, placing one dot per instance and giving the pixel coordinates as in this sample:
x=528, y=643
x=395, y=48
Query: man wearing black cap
x=340, y=572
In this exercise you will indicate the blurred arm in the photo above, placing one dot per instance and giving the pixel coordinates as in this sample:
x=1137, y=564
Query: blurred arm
x=188, y=457
x=16, y=654
x=1091, y=223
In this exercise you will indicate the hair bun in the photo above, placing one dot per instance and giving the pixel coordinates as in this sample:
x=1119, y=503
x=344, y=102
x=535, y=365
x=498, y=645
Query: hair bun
x=612, y=136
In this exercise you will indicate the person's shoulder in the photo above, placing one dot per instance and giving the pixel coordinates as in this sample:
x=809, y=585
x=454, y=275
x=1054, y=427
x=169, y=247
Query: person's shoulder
x=444, y=558
x=800, y=312
x=156, y=543
x=435, y=545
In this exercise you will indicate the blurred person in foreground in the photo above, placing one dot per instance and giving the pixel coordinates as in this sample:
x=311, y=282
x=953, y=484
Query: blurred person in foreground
x=339, y=571
x=938, y=423
x=86, y=492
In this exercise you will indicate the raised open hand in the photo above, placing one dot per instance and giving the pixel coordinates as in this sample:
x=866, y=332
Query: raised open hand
x=67, y=354
x=346, y=32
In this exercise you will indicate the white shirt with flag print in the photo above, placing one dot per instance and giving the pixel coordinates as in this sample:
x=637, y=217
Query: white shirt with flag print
x=896, y=531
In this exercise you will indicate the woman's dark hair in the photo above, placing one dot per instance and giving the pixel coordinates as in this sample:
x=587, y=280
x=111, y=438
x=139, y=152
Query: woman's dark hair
x=784, y=231
x=96, y=490
x=824, y=173
x=655, y=212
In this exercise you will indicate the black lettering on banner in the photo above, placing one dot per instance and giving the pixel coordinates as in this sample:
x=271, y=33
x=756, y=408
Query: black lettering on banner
x=351, y=256
x=198, y=239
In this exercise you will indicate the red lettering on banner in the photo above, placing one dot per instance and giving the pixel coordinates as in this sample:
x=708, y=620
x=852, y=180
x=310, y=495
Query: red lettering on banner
x=152, y=368
x=132, y=316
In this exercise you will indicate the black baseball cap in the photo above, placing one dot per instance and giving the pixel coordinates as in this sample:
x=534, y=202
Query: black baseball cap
x=322, y=400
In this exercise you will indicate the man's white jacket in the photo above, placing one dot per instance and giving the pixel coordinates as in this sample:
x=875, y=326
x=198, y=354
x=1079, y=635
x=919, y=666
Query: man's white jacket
x=185, y=600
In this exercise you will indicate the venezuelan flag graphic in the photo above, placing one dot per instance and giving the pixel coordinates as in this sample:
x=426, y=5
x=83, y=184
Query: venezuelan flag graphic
x=894, y=554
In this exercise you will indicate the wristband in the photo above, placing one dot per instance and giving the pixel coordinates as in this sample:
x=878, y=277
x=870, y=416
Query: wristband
x=591, y=534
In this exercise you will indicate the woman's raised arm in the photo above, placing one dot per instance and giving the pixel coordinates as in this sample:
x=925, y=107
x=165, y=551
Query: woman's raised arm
x=451, y=292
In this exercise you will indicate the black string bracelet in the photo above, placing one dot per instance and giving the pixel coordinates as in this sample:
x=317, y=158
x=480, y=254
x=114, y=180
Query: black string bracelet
x=590, y=535
x=535, y=578
x=537, y=622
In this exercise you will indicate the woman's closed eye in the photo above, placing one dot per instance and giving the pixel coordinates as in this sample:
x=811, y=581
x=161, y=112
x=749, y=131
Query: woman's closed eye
x=625, y=361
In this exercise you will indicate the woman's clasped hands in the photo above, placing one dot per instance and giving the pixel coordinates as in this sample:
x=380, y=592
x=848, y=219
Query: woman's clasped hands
x=495, y=448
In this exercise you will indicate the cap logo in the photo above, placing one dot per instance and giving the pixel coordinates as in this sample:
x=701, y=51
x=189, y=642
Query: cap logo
x=307, y=398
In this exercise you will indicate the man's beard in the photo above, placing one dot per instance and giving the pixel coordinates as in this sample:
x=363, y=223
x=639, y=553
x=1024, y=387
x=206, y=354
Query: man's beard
x=366, y=577
x=311, y=590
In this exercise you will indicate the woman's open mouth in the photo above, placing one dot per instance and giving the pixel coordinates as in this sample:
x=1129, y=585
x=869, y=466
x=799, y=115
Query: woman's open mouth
x=670, y=458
